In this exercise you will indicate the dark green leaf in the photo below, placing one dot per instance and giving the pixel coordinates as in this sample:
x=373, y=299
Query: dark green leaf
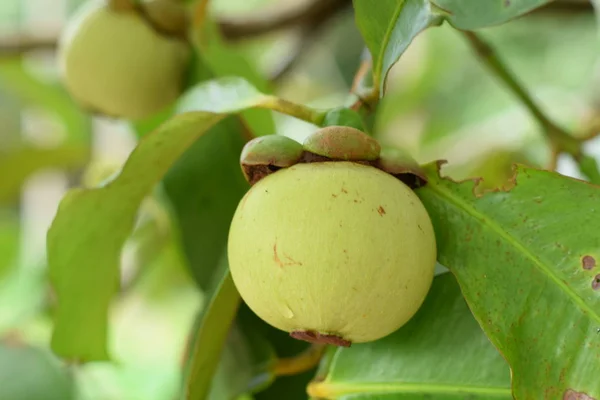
x=212, y=327
x=527, y=263
x=441, y=353
x=28, y=373
x=291, y=387
x=388, y=27
x=245, y=364
x=475, y=14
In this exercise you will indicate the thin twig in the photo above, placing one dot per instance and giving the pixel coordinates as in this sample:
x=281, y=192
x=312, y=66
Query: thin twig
x=557, y=135
x=313, y=14
x=308, y=35
x=303, y=362
x=560, y=140
x=15, y=46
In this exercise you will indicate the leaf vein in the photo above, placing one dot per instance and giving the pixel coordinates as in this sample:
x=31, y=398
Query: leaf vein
x=386, y=39
x=519, y=246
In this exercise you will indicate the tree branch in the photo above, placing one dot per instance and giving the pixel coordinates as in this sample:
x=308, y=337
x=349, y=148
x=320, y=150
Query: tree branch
x=313, y=14
x=566, y=7
x=15, y=46
x=560, y=139
x=316, y=10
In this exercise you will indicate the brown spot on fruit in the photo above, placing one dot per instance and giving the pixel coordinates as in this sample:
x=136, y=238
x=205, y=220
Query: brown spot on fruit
x=381, y=211
x=316, y=337
x=281, y=263
x=596, y=282
x=588, y=262
x=571, y=394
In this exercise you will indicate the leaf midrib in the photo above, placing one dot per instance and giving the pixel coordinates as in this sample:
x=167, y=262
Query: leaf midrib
x=518, y=245
x=341, y=389
x=386, y=40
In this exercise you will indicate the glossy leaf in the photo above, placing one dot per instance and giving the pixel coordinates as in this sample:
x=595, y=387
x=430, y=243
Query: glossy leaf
x=211, y=332
x=441, y=353
x=388, y=27
x=85, y=240
x=475, y=14
x=526, y=261
x=29, y=373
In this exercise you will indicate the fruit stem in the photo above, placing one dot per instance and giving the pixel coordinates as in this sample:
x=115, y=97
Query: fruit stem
x=560, y=139
x=293, y=109
x=303, y=362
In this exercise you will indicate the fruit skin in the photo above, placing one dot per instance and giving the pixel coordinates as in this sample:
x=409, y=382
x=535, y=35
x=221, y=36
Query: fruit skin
x=115, y=63
x=338, y=248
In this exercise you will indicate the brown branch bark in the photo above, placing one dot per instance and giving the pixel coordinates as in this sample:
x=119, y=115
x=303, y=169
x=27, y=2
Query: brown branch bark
x=14, y=46
x=311, y=14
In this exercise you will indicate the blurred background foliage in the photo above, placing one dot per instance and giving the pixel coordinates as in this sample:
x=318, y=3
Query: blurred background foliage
x=440, y=103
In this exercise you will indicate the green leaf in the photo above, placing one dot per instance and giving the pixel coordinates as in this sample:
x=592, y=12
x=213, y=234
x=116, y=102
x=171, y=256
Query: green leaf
x=342, y=116
x=245, y=364
x=526, y=261
x=86, y=237
x=19, y=164
x=204, y=187
x=202, y=204
x=221, y=95
x=475, y=14
x=388, y=27
x=28, y=373
x=212, y=327
x=441, y=353
x=85, y=240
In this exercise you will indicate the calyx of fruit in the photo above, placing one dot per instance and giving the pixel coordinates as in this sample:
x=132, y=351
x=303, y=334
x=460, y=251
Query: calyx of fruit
x=124, y=62
x=266, y=154
x=343, y=143
x=332, y=252
x=330, y=243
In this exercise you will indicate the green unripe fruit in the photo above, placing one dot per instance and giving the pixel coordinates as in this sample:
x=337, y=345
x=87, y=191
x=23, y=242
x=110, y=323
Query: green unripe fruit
x=115, y=63
x=335, y=252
